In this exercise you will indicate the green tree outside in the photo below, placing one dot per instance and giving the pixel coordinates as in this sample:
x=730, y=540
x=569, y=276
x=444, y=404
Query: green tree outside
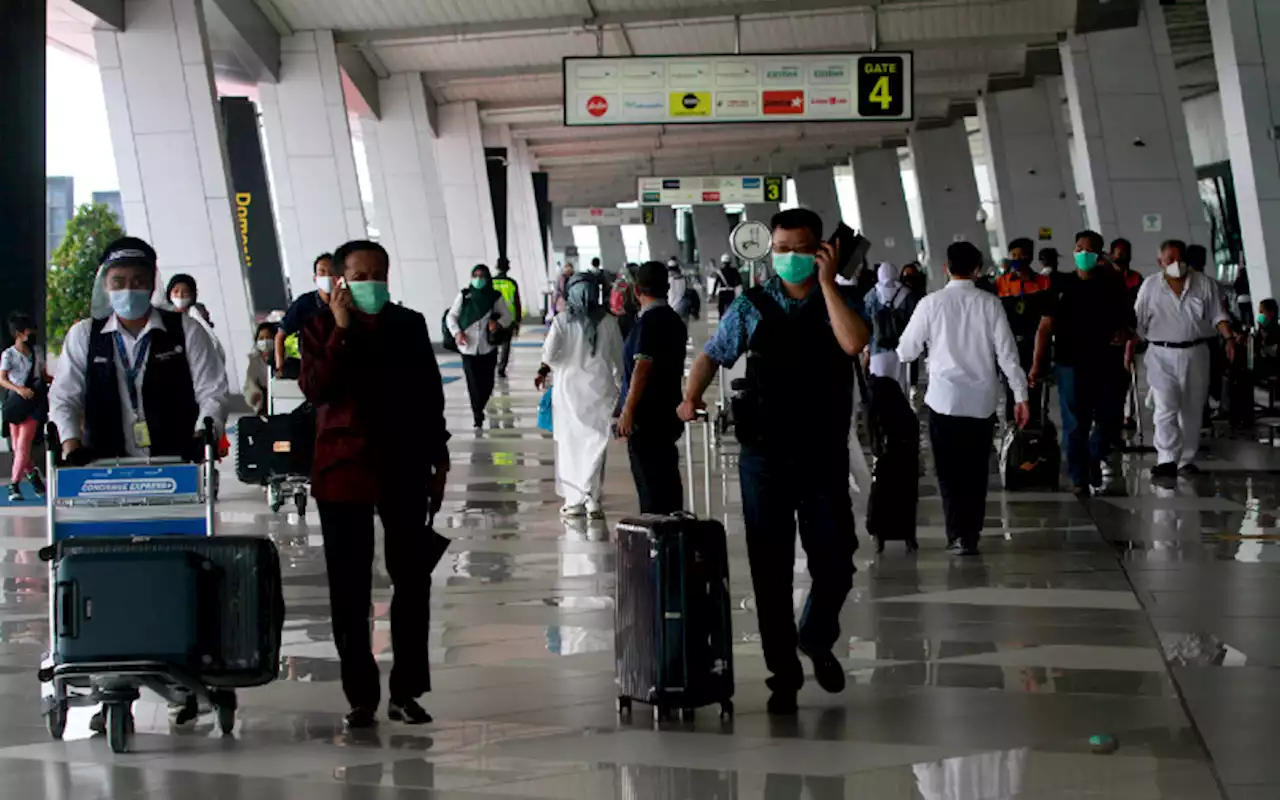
x=74, y=266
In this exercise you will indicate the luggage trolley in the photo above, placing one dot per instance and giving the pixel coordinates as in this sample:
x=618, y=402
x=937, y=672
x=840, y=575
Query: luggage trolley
x=286, y=397
x=130, y=499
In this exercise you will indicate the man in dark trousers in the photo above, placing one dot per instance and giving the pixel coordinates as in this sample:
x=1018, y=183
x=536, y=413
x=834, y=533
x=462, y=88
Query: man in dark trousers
x=653, y=364
x=802, y=330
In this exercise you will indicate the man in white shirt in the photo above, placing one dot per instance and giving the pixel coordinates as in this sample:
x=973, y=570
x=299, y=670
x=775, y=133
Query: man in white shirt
x=135, y=380
x=1178, y=310
x=966, y=332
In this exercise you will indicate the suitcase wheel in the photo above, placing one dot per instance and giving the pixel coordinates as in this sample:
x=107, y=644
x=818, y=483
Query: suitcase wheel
x=624, y=706
x=300, y=500
x=660, y=715
x=879, y=545
x=119, y=727
x=912, y=545
x=55, y=719
x=726, y=711
x=688, y=714
x=224, y=701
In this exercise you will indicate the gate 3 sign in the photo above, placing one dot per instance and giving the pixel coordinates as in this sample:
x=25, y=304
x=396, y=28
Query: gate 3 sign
x=779, y=87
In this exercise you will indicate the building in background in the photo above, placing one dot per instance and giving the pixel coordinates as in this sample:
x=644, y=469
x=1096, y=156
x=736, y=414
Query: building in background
x=59, y=205
x=112, y=201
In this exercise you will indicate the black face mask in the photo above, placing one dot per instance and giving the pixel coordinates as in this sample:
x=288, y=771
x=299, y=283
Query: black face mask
x=1122, y=260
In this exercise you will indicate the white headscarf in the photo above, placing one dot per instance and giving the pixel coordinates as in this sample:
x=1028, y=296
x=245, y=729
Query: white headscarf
x=888, y=286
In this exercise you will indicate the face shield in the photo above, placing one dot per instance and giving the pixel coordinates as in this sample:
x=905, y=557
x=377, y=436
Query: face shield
x=100, y=300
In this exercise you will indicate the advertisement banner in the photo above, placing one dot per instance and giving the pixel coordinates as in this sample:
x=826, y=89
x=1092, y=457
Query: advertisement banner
x=711, y=190
x=255, y=221
x=663, y=90
x=131, y=483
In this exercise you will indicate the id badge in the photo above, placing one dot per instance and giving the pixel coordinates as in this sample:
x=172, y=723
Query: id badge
x=141, y=434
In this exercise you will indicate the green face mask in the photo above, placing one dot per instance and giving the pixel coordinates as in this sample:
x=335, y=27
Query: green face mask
x=478, y=283
x=1262, y=319
x=369, y=296
x=1086, y=261
x=793, y=267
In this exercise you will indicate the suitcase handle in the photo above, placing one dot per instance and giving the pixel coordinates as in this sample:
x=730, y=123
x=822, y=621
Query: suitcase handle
x=701, y=420
x=67, y=605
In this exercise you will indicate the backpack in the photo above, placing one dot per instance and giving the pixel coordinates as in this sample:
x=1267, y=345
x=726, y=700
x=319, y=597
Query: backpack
x=446, y=339
x=890, y=322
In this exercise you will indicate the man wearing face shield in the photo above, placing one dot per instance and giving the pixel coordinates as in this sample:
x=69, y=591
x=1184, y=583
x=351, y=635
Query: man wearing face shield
x=800, y=331
x=135, y=380
x=1178, y=312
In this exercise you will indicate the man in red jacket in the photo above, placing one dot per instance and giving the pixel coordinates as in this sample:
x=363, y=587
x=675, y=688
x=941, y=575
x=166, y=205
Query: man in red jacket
x=383, y=449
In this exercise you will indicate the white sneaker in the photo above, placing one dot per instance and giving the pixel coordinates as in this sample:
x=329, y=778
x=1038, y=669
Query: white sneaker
x=594, y=511
x=571, y=510
x=1107, y=469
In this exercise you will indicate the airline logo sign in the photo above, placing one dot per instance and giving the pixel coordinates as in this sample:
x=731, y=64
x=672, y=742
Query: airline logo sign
x=602, y=216
x=663, y=90
x=690, y=104
x=709, y=190
x=788, y=102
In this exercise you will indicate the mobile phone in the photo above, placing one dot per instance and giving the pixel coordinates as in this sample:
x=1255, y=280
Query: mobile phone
x=852, y=248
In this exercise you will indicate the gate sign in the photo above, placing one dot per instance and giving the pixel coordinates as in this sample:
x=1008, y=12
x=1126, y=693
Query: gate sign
x=712, y=190
x=605, y=216
x=785, y=87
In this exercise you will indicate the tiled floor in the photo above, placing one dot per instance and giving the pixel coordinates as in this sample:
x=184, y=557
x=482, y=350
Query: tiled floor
x=1151, y=620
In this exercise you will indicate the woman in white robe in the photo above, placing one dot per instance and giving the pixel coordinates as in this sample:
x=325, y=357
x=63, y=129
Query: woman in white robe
x=583, y=350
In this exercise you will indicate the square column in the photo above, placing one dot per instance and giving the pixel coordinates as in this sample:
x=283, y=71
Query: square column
x=613, y=250
x=762, y=212
x=1025, y=138
x=465, y=182
x=948, y=192
x=663, y=243
x=408, y=199
x=313, y=165
x=816, y=190
x=1133, y=154
x=171, y=157
x=711, y=227
x=877, y=181
x=1244, y=37
x=524, y=239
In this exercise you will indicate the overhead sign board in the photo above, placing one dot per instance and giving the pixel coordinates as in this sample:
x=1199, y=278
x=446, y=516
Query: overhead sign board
x=789, y=87
x=607, y=216
x=712, y=190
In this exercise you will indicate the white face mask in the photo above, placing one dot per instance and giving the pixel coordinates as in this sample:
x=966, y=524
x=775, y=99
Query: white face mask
x=324, y=283
x=181, y=303
x=1044, y=270
x=1175, y=270
x=262, y=345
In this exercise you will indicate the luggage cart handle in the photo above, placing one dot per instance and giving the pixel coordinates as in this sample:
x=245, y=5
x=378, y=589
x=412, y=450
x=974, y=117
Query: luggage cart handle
x=66, y=610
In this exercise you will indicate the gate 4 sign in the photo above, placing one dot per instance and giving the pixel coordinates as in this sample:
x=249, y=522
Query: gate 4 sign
x=881, y=86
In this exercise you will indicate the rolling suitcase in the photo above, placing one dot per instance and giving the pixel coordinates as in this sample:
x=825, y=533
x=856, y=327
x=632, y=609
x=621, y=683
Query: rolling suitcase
x=238, y=613
x=895, y=478
x=252, y=451
x=1030, y=457
x=673, y=634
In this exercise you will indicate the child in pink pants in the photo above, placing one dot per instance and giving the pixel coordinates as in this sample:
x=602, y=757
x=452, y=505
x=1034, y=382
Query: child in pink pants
x=22, y=375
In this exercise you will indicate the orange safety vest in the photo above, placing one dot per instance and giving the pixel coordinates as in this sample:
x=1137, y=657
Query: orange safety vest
x=1013, y=285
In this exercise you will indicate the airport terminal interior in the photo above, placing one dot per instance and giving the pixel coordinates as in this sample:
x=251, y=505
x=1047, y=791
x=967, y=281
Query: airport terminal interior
x=1120, y=644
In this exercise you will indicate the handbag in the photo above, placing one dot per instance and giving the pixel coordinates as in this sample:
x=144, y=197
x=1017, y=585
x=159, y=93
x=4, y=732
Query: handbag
x=544, y=411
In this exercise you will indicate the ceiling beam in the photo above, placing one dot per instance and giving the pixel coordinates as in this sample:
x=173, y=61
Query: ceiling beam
x=252, y=36
x=362, y=75
x=110, y=13
x=607, y=19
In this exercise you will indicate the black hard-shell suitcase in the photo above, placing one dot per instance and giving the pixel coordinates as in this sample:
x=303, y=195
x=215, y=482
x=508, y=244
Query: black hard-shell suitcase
x=1031, y=457
x=280, y=445
x=895, y=477
x=240, y=637
x=673, y=643
x=102, y=617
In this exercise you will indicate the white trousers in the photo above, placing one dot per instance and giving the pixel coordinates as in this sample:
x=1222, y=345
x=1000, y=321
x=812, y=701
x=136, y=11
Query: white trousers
x=1179, y=381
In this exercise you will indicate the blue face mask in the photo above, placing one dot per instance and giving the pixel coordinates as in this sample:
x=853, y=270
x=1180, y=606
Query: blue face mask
x=130, y=303
x=793, y=267
x=1086, y=261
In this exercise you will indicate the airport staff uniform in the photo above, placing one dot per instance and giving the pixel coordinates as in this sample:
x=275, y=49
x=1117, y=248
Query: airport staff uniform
x=1179, y=329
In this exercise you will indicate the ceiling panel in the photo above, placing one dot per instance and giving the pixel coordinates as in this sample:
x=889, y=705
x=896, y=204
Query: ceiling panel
x=374, y=14
x=489, y=52
x=534, y=89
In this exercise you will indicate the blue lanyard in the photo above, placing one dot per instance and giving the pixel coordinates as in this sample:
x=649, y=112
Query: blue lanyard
x=132, y=370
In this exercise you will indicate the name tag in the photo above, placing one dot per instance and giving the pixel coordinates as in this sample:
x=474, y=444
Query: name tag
x=141, y=434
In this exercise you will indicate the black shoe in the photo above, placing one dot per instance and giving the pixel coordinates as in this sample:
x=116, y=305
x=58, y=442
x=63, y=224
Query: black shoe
x=827, y=669
x=408, y=712
x=15, y=493
x=1188, y=470
x=1166, y=471
x=1080, y=490
x=502, y=373
x=358, y=718
x=965, y=548
x=37, y=482
x=782, y=703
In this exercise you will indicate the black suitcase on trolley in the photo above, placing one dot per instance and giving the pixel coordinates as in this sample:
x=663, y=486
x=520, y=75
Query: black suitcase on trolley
x=673, y=640
x=102, y=586
x=280, y=445
x=1031, y=457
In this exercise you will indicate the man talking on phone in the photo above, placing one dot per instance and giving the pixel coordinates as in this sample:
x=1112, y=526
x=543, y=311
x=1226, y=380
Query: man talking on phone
x=801, y=331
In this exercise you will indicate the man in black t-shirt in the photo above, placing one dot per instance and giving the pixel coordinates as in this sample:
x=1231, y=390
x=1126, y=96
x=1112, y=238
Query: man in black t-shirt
x=305, y=307
x=653, y=363
x=1088, y=316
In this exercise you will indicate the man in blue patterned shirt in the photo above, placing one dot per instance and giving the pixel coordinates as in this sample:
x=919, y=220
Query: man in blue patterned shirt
x=800, y=332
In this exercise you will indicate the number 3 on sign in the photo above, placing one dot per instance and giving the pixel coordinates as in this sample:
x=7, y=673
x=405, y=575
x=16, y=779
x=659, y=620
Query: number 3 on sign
x=881, y=94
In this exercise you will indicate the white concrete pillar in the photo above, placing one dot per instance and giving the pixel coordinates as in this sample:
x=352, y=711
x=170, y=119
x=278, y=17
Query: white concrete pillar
x=464, y=184
x=409, y=204
x=561, y=234
x=1132, y=150
x=1244, y=36
x=761, y=212
x=711, y=229
x=663, y=243
x=877, y=181
x=613, y=251
x=1025, y=137
x=524, y=241
x=171, y=158
x=948, y=193
x=816, y=190
x=313, y=165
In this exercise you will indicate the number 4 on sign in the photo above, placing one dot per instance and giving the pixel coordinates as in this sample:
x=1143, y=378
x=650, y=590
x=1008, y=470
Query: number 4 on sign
x=880, y=93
